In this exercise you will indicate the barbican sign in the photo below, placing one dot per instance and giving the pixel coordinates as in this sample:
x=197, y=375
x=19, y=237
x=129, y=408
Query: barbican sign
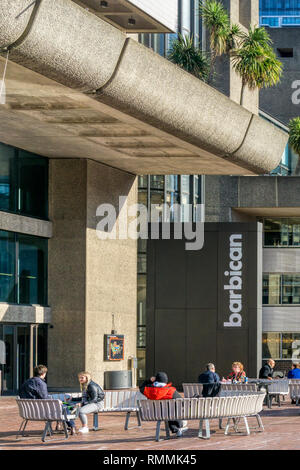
x=235, y=281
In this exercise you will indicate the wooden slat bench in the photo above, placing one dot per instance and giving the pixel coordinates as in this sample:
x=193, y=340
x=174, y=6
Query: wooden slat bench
x=117, y=401
x=47, y=411
x=203, y=409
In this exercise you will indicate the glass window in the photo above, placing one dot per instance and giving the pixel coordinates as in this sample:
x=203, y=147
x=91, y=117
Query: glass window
x=272, y=289
x=290, y=345
x=32, y=270
x=33, y=189
x=282, y=232
x=23, y=182
x=7, y=266
x=7, y=178
x=157, y=201
x=290, y=289
x=271, y=345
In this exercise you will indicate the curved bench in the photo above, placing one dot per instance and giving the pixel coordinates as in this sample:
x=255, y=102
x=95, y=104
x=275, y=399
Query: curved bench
x=204, y=409
x=47, y=411
x=191, y=389
x=115, y=401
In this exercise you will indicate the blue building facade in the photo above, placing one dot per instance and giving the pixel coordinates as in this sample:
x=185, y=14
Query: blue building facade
x=279, y=13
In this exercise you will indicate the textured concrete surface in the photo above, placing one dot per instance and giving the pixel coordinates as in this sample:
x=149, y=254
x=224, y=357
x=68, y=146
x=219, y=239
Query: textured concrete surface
x=27, y=225
x=111, y=270
x=89, y=279
x=282, y=432
x=11, y=313
x=83, y=52
x=228, y=197
x=277, y=100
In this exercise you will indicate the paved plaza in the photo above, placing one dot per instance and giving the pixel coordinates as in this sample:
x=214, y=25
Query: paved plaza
x=282, y=432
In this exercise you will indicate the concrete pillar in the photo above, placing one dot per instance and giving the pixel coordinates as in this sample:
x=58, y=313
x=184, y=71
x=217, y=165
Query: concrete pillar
x=89, y=279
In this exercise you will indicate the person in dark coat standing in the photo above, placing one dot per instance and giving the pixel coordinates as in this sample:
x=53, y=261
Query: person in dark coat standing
x=266, y=372
x=210, y=380
x=159, y=388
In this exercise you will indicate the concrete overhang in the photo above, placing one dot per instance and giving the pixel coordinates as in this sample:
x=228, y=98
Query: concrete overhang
x=146, y=15
x=78, y=88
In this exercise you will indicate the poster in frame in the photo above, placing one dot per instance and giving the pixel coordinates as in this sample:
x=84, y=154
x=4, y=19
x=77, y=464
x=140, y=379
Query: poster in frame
x=114, y=347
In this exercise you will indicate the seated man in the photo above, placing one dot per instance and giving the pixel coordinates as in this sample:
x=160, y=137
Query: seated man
x=36, y=387
x=158, y=388
x=266, y=372
x=210, y=381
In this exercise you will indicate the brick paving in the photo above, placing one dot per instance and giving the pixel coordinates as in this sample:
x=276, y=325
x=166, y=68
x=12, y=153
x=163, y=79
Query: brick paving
x=282, y=432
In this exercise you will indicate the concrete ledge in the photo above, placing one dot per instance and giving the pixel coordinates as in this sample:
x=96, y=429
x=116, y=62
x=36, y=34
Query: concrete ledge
x=27, y=225
x=12, y=313
x=77, y=49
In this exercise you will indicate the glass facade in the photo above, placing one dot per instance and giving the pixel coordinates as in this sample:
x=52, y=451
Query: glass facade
x=26, y=347
x=279, y=13
x=282, y=232
x=281, y=346
x=281, y=289
x=23, y=269
x=23, y=182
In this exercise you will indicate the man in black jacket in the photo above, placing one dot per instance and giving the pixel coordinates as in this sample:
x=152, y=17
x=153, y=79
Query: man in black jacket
x=266, y=372
x=36, y=387
x=210, y=381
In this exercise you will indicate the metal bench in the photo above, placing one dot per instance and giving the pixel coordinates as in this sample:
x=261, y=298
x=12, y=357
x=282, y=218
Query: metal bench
x=294, y=390
x=47, y=411
x=192, y=389
x=278, y=388
x=119, y=401
x=204, y=409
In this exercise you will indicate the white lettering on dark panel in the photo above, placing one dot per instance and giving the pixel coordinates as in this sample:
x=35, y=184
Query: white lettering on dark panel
x=234, y=275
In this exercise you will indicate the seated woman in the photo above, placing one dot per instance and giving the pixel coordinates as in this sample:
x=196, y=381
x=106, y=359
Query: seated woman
x=92, y=399
x=238, y=374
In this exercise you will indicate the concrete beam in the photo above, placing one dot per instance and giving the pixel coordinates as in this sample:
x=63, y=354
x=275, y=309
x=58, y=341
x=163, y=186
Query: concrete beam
x=73, y=47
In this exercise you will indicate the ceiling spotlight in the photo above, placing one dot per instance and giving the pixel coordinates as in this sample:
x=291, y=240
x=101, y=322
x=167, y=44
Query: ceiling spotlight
x=131, y=21
x=103, y=4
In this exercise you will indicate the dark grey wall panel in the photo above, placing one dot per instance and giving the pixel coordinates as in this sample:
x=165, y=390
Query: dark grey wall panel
x=200, y=274
x=232, y=345
x=187, y=304
x=170, y=344
x=201, y=345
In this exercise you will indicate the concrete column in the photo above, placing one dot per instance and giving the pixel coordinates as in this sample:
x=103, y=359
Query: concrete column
x=89, y=279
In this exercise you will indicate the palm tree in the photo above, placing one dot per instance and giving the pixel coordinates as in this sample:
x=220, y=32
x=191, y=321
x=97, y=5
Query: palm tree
x=294, y=139
x=223, y=36
x=192, y=59
x=255, y=61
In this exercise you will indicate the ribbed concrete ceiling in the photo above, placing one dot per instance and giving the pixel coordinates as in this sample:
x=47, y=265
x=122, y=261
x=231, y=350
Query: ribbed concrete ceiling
x=49, y=119
x=118, y=12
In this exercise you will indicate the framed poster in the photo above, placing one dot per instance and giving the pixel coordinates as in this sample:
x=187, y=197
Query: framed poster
x=114, y=347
